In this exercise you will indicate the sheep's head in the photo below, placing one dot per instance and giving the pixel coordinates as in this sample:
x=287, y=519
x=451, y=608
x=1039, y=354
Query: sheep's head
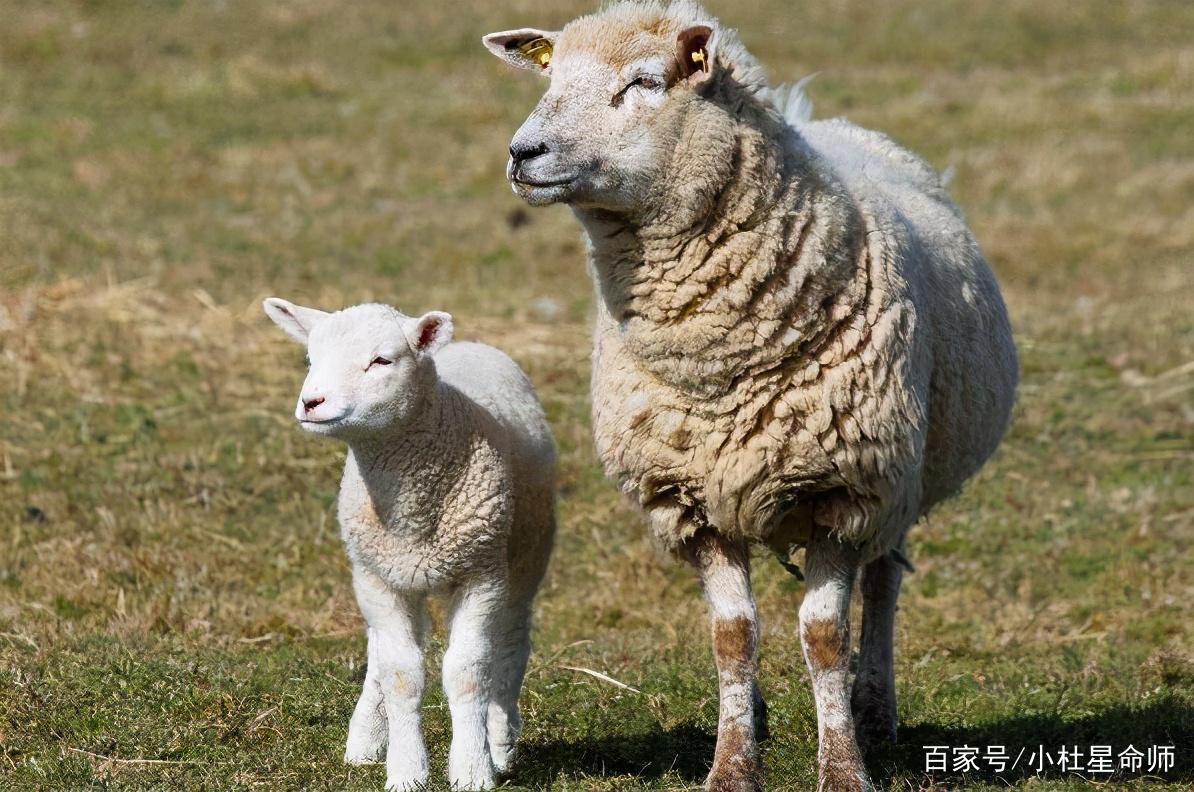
x=370, y=366
x=622, y=85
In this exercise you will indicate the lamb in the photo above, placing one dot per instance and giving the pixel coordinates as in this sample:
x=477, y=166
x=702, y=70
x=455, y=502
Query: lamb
x=798, y=342
x=448, y=489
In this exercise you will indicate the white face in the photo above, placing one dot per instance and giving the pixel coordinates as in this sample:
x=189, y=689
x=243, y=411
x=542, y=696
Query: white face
x=606, y=129
x=370, y=366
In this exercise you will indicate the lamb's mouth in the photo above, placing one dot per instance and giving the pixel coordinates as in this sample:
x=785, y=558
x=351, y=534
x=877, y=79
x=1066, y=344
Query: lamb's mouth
x=311, y=423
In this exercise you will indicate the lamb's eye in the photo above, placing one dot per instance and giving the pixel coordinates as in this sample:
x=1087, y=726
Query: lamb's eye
x=379, y=361
x=650, y=83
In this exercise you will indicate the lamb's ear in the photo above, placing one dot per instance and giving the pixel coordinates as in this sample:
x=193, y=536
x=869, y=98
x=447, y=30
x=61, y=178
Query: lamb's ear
x=428, y=333
x=527, y=48
x=295, y=320
x=694, y=51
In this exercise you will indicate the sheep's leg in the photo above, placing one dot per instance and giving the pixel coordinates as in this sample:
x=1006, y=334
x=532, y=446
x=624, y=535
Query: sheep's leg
x=510, y=665
x=396, y=627
x=367, y=730
x=874, y=699
x=468, y=681
x=724, y=567
x=825, y=635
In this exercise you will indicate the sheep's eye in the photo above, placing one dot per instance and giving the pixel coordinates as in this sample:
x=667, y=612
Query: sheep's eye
x=646, y=82
x=379, y=361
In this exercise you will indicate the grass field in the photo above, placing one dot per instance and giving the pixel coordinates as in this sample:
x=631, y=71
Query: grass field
x=175, y=610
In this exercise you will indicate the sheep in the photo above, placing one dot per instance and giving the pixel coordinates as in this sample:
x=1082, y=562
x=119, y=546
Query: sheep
x=449, y=490
x=797, y=344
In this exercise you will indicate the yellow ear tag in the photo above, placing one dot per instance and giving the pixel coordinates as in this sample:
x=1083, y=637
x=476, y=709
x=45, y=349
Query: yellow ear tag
x=538, y=50
x=699, y=57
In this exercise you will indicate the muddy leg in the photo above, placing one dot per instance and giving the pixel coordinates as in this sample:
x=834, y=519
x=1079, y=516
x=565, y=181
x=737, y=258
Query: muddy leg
x=825, y=635
x=724, y=567
x=874, y=699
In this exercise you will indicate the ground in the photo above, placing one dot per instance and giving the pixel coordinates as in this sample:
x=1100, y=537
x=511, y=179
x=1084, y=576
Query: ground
x=175, y=609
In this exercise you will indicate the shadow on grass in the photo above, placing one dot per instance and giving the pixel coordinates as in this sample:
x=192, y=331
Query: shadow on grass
x=1167, y=721
x=685, y=750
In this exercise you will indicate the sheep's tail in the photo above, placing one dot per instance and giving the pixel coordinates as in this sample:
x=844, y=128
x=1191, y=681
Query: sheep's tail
x=792, y=102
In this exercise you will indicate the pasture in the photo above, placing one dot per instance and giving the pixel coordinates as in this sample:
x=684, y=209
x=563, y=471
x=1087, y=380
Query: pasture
x=175, y=609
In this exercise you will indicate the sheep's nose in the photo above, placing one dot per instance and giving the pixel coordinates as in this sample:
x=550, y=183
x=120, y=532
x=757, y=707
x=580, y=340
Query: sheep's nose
x=521, y=152
x=311, y=404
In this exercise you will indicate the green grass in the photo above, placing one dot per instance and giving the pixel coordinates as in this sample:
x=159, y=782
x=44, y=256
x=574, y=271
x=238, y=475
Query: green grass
x=174, y=605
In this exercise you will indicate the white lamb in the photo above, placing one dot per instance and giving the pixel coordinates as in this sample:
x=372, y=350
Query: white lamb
x=448, y=489
x=798, y=341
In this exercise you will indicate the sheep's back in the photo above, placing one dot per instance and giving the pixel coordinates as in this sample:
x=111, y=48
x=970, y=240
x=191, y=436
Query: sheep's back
x=959, y=308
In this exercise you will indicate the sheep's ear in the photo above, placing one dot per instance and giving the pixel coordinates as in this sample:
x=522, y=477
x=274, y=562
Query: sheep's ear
x=428, y=333
x=527, y=48
x=694, y=51
x=295, y=320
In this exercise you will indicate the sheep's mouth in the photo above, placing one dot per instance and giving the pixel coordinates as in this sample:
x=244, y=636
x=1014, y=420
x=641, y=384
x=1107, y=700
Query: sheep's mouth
x=547, y=179
x=542, y=184
x=540, y=191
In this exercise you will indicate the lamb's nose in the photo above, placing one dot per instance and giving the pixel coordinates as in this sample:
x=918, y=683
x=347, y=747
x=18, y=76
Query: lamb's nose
x=311, y=404
x=521, y=152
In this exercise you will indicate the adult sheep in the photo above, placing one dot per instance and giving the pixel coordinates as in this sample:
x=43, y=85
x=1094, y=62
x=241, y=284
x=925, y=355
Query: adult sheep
x=798, y=341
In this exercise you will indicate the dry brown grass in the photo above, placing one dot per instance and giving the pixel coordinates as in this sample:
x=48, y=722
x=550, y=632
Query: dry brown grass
x=171, y=584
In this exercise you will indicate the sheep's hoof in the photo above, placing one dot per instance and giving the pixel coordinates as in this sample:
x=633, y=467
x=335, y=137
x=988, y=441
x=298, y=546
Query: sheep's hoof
x=843, y=780
x=735, y=779
x=839, y=766
x=874, y=717
x=873, y=732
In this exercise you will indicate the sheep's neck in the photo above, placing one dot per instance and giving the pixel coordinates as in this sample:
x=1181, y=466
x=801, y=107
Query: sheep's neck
x=746, y=273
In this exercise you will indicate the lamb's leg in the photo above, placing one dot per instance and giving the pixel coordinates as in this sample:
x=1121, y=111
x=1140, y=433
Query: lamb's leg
x=724, y=567
x=367, y=730
x=825, y=635
x=468, y=681
x=396, y=626
x=529, y=552
x=510, y=665
x=874, y=699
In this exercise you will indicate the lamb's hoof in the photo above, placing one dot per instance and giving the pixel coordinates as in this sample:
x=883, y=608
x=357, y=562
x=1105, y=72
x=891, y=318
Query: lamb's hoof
x=480, y=777
x=502, y=756
x=405, y=783
x=365, y=755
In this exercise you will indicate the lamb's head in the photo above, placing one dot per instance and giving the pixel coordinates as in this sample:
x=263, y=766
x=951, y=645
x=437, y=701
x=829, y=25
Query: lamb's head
x=371, y=368
x=623, y=87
